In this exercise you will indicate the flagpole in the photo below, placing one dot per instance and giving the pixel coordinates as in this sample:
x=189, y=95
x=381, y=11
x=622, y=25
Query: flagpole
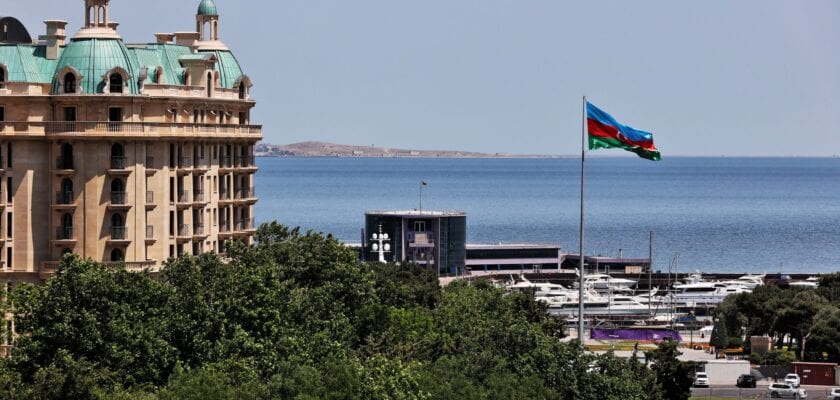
x=581, y=272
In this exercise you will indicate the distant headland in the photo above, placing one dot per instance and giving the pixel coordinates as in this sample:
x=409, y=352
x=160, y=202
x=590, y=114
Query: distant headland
x=324, y=149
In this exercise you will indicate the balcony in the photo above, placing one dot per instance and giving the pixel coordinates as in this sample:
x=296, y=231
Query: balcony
x=245, y=225
x=200, y=164
x=122, y=129
x=184, y=232
x=119, y=233
x=150, y=199
x=184, y=199
x=225, y=196
x=225, y=162
x=150, y=234
x=225, y=229
x=199, y=199
x=185, y=165
x=64, y=200
x=64, y=166
x=49, y=268
x=421, y=239
x=119, y=201
x=246, y=163
x=151, y=167
x=119, y=163
x=198, y=231
x=64, y=235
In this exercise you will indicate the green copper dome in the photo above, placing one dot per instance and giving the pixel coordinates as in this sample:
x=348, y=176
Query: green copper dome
x=93, y=59
x=207, y=7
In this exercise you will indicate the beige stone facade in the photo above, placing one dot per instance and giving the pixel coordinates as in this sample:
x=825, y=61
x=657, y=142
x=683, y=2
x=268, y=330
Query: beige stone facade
x=130, y=166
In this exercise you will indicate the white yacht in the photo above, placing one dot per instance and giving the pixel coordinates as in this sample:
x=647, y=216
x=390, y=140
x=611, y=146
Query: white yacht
x=748, y=281
x=539, y=289
x=704, y=293
x=596, y=305
x=604, y=282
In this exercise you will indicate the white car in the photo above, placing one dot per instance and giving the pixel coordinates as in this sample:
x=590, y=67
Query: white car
x=793, y=380
x=701, y=380
x=835, y=394
x=779, y=390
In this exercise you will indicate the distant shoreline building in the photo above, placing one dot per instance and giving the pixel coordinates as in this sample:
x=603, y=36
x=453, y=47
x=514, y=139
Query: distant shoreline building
x=122, y=153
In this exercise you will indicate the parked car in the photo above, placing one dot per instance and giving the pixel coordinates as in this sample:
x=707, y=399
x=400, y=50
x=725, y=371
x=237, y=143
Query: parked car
x=779, y=390
x=701, y=380
x=746, y=381
x=835, y=394
x=793, y=380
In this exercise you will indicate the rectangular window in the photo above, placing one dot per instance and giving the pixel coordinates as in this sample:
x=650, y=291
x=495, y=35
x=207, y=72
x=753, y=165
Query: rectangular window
x=420, y=226
x=171, y=251
x=172, y=155
x=195, y=116
x=115, y=114
x=9, y=229
x=8, y=258
x=9, y=185
x=171, y=224
x=172, y=190
x=2, y=114
x=70, y=114
x=9, y=154
x=243, y=119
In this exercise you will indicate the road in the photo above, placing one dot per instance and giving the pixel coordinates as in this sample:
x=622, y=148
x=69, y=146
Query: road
x=760, y=392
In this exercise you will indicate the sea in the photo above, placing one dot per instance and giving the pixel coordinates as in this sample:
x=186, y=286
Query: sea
x=739, y=215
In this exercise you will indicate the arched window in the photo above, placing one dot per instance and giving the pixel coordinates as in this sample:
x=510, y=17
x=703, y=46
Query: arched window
x=117, y=255
x=118, y=156
x=66, y=230
x=69, y=83
x=2, y=76
x=116, y=82
x=66, y=194
x=118, y=195
x=117, y=221
x=66, y=252
x=117, y=185
x=209, y=85
x=242, y=92
x=66, y=160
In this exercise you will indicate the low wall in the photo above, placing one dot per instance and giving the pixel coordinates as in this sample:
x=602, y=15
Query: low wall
x=725, y=372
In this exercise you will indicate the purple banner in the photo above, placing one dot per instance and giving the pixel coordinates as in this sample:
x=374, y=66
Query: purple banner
x=651, y=335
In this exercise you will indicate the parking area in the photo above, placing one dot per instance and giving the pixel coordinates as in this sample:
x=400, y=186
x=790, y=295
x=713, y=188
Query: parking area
x=760, y=392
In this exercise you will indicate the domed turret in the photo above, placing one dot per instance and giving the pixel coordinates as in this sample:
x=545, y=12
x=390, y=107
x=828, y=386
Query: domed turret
x=207, y=7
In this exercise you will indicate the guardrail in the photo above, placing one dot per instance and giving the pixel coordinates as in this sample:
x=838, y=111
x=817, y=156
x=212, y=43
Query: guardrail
x=104, y=127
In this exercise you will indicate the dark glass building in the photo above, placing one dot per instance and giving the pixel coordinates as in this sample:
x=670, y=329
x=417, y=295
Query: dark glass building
x=434, y=239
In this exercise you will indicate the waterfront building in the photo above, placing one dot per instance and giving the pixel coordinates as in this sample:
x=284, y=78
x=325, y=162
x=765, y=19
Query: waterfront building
x=434, y=239
x=119, y=152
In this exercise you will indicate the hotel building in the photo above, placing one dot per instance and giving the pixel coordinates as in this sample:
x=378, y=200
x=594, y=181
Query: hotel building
x=122, y=153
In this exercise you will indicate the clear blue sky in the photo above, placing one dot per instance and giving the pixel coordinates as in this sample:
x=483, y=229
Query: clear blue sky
x=712, y=77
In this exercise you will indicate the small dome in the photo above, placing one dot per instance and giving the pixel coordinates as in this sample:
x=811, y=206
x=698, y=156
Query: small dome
x=93, y=59
x=207, y=7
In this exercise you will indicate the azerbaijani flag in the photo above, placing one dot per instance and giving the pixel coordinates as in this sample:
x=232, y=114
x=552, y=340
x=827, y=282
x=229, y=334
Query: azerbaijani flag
x=606, y=133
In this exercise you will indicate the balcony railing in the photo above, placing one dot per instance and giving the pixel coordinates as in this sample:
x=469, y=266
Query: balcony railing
x=64, y=163
x=119, y=233
x=185, y=162
x=225, y=194
x=199, y=197
x=64, y=198
x=104, y=127
x=245, y=162
x=150, y=162
x=119, y=198
x=64, y=233
x=183, y=230
x=118, y=162
x=184, y=196
x=245, y=193
x=199, y=163
x=150, y=232
x=198, y=229
x=225, y=162
x=150, y=197
x=224, y=226
x=245, y=224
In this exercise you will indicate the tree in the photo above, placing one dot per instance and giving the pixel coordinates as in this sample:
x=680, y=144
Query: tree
x=720, y=336
x=673, y=376
x=823, y=335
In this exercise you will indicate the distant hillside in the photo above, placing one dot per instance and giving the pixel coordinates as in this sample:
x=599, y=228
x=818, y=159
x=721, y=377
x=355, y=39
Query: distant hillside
x=323, y=149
